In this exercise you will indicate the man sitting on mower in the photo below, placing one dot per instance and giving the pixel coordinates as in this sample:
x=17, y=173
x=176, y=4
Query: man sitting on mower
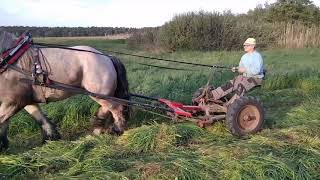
x=251, y=71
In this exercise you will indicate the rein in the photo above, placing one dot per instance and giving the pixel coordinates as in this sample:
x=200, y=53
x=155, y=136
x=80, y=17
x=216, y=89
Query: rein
x=25, y=42
x=59, y=46
x=10, y=56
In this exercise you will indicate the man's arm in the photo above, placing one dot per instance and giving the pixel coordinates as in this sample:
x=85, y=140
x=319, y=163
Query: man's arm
x=240, y=68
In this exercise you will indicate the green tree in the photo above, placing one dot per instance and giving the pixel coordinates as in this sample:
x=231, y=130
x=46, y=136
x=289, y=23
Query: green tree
x=293, y=10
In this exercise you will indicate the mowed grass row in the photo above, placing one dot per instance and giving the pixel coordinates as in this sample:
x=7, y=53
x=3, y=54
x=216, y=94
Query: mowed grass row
x=155, y=148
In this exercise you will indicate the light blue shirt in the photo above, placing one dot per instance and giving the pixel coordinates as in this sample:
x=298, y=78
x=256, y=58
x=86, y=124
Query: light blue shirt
x=253, y=63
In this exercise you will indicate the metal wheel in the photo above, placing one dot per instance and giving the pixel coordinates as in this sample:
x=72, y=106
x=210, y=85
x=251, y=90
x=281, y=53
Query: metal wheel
x=248, y=118
x=245, y=116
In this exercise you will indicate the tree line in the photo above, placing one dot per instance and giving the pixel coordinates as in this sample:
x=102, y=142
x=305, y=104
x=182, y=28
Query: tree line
x=68, y=31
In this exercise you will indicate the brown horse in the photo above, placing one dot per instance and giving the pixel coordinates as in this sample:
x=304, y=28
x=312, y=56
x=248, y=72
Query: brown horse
x=104, y=75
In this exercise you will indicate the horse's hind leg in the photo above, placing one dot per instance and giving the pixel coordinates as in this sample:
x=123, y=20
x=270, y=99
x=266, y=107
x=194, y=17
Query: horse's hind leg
x=6, y=111
x=49, y=130
x=109, y=110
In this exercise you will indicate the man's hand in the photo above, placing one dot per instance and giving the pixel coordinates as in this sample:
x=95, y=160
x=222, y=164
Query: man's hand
x=234, y=69
x=242, y=70
x=238, y=69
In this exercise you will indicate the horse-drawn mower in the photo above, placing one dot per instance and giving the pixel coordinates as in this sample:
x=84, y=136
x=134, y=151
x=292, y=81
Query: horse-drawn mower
x=242, y=114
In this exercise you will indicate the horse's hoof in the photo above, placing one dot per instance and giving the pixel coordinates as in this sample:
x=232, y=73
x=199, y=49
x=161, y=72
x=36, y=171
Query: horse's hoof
x=4, y=144
x=53, y=137
x=117, y=131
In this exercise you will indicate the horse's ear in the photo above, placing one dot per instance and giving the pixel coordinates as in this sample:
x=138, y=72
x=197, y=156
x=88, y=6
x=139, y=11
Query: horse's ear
x=1, y=32
x=12, y=35
x=1, y=40
x=7, y=40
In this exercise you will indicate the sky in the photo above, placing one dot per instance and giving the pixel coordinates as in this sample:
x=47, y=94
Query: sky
x=111, y=13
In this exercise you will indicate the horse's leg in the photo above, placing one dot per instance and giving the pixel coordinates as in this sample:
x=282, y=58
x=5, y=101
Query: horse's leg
x=4, y=142
x=49, y=131
x=6, y=111
x=102, y=120
x=110, y=108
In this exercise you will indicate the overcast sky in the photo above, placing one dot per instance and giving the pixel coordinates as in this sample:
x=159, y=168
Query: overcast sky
x=110, y=13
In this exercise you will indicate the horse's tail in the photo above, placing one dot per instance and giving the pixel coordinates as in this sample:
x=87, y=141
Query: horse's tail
x=122, y=90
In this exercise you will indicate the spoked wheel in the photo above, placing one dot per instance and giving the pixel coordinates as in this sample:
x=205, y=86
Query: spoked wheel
x=245, y=116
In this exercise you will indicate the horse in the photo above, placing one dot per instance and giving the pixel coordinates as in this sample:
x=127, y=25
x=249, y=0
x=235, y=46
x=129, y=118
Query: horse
x=87, y=69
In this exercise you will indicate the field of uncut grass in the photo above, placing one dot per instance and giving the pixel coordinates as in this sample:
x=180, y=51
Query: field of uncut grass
x=154, y=148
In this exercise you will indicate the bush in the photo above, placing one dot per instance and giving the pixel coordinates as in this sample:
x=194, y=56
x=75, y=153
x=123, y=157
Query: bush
x=146, y=38
x=293, y=24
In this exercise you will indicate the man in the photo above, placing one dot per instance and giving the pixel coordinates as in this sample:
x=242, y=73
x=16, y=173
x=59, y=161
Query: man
x=252, y=70
x=251, y=63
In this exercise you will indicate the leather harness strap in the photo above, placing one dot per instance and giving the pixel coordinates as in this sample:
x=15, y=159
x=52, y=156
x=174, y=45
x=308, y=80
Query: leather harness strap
x=22, y=45
x=10, y=56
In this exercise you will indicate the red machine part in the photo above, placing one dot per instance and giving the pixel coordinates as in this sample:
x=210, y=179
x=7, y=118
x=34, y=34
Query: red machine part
x=180, y=109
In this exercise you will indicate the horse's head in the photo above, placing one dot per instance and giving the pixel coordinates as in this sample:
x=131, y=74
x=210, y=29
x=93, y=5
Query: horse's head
x=7, y=40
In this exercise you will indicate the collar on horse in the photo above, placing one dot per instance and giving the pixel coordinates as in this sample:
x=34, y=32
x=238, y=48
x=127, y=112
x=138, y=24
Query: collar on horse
x=11, y=55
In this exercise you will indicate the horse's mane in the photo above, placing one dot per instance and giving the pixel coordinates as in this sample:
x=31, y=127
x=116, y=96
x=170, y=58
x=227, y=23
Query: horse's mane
x=6, y=40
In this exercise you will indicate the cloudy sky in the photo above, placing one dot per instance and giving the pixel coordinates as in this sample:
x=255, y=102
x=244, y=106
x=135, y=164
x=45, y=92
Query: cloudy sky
x=111, y=13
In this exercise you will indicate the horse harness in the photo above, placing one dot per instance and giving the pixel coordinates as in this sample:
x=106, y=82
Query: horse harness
x=40, y=76
x=12, y=55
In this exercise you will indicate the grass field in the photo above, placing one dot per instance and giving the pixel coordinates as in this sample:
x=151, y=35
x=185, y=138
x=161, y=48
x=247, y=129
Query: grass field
x=154, y=148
